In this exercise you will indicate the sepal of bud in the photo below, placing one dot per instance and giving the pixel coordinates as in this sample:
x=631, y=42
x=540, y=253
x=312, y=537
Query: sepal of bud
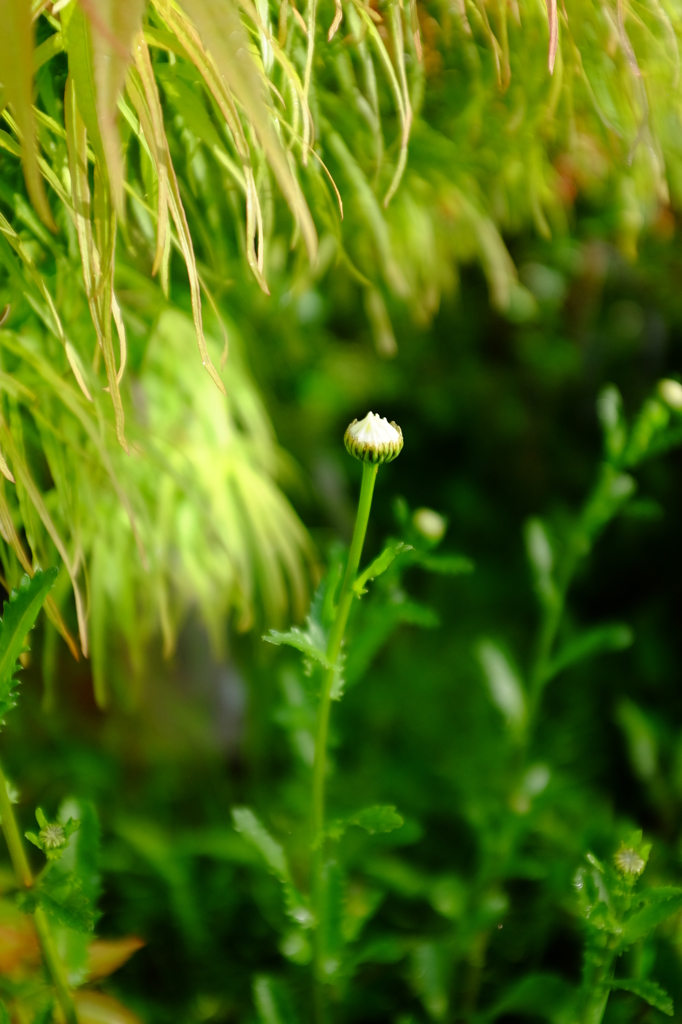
x=373, y=439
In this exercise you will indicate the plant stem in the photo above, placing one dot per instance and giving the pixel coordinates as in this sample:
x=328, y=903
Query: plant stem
x=369, y=474
x=14, y=843
x=24, y=877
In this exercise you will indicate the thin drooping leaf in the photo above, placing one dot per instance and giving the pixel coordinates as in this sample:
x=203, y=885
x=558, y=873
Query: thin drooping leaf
x=224, y=36
x=16, y=74
x=148, y=107
x=553, y=33
x=113, y=25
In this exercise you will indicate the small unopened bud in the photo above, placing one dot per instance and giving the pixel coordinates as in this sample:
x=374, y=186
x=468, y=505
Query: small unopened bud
x=671, y=393
x=629, y=861
x=431, y=525
x=52, y=836
x=373, y=439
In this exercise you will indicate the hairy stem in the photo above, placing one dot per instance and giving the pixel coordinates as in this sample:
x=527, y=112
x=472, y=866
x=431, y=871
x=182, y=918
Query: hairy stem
x=24, y=877
x=369, y=474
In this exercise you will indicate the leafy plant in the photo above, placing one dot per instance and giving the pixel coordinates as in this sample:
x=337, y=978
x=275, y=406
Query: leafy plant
x=63, y=895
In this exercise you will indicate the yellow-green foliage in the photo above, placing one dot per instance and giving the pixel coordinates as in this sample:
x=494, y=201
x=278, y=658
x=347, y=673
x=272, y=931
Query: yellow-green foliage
x=148, y=129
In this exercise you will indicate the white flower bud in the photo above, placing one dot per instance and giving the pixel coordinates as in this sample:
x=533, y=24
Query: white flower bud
x=373, y=439
x=671, y=392
x=429, y=523
x=629, y=861
x=52, y=836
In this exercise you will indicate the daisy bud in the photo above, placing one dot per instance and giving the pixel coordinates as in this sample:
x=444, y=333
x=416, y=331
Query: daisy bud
x=373, y=439
x=671, y=392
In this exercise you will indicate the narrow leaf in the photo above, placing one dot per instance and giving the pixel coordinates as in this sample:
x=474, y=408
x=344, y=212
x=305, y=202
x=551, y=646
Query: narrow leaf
x=246, y=822
x=553, y=33
x=612, y=636
x=380, y=565
x=506, y=689
x=113, y=25
x=225, y=37
x=652, y=993
x=16, y=64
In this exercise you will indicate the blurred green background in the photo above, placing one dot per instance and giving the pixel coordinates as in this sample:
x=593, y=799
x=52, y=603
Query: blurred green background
x=530, y=257
x=499, y=423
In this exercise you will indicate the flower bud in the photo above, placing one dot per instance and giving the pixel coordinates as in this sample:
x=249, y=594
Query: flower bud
x=374, y=439
x=430, y=524
x=671, y=392
x=629, y=861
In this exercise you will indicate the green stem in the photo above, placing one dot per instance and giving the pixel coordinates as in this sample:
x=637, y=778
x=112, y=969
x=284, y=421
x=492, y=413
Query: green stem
x=12, y=837
x=369, y=474
x=24, y=877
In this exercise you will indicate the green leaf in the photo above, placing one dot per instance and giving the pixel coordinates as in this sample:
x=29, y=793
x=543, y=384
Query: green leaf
x=378, y=818
x=429, y=977
x=255, y=833
x=380, y=564
x=543, y=995
x=4, y=1015
x=445, y=565
x=652, y=993
x=611, y=636
x=610, y=413
x=19, y=616
x=272, y=1001
x=639, y=924
x=310, y=641
x=504, y=683
x=61, y=896
x=246, y=822
x=541, y=558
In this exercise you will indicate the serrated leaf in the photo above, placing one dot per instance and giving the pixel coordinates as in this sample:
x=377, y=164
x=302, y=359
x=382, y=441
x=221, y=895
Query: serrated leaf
x=379, y=818
x=380, y=564
x=612, y=636
x=650, y=991
x=19, y=616
x=310, y=641
x=61, y=897
x=644, y=921
x=246, y=822
x=504, y=684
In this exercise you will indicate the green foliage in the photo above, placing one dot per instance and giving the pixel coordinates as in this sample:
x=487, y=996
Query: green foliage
x=617, y=915
x=19, y=616
x=52, y=838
